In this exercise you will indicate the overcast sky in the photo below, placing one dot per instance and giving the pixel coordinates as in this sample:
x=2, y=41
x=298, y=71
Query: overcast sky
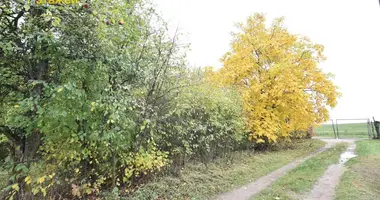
x=349, y=30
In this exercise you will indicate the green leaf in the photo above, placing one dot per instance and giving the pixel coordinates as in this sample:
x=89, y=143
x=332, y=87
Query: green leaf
x=27, y=6
x=35, y=191
x=21, y=167
x=56, y=21
x=115, y=190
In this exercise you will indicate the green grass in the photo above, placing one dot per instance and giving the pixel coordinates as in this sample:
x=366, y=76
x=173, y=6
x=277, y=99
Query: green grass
x=197, y=182
x=3, y=179
x=300, y=180
x=353, y=130
x=362, y=178
x=325, y=130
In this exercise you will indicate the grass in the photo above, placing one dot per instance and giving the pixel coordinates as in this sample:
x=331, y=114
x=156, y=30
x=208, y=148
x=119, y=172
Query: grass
x=3, y=179
x=197, y=182
x=362, y=178
x=352, y=130
x=300, y=180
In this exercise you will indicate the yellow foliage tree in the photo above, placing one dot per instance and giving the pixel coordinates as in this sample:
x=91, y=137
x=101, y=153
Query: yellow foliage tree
x=278, y=77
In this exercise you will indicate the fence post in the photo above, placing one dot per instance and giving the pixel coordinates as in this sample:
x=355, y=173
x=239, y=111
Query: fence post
x=337, y=129
x=369, y=128
x=377, y=128
x=333, y=126
x=373, y=129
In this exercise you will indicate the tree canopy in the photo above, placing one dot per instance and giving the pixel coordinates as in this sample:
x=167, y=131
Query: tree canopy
x=278, y=77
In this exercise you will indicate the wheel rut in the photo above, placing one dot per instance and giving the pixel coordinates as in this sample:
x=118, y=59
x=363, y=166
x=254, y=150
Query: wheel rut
x=254, y=188
x=325, y=186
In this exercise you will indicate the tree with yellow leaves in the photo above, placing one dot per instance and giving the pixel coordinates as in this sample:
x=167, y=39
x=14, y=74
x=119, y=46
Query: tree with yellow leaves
x=278, y=78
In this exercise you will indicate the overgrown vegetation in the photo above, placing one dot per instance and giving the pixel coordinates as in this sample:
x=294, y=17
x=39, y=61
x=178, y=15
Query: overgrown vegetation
x=224, y=174
x=96, y=99
x=361, y=180
x=299, y=181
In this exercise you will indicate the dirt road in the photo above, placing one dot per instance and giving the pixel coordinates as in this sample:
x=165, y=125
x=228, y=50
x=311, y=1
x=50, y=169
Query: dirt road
x=324, y=188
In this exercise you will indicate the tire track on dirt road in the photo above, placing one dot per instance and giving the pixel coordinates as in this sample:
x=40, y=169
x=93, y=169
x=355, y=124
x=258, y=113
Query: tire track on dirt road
x=325, y=186
x=254, y=188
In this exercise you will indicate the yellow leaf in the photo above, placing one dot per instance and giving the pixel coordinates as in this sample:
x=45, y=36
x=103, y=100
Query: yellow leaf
x=260, y=141
x=41, y=180
x=43, y=191
x=28, y=180
x=60, y=89
x=16, y=106
x=76, y=170
x=15, y=187
x=92, y=103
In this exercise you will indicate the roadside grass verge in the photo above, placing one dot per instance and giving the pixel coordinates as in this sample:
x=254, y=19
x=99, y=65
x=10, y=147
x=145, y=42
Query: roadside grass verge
x=362, y=178
x=300, y=180
x=196, y=182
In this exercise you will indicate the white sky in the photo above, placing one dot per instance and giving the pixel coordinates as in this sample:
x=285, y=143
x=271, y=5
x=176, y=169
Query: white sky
x=349, y=30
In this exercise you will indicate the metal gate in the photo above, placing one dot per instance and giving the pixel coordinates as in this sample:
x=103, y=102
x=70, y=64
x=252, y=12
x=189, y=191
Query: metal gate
x=346, y=128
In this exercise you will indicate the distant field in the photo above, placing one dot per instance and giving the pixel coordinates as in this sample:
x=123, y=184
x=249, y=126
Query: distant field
x=353, y=130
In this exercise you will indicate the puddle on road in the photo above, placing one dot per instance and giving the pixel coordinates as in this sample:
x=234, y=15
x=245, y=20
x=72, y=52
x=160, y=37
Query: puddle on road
x=345, y=156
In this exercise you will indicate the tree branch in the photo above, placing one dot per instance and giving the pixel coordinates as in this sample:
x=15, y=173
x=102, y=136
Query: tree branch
x=11, y=135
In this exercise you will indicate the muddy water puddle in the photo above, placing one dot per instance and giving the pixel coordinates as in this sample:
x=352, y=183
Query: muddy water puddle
x=348, y=154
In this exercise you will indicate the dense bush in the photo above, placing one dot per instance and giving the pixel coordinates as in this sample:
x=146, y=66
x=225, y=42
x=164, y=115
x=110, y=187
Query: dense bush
x=98, y=99
x=205, y=122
